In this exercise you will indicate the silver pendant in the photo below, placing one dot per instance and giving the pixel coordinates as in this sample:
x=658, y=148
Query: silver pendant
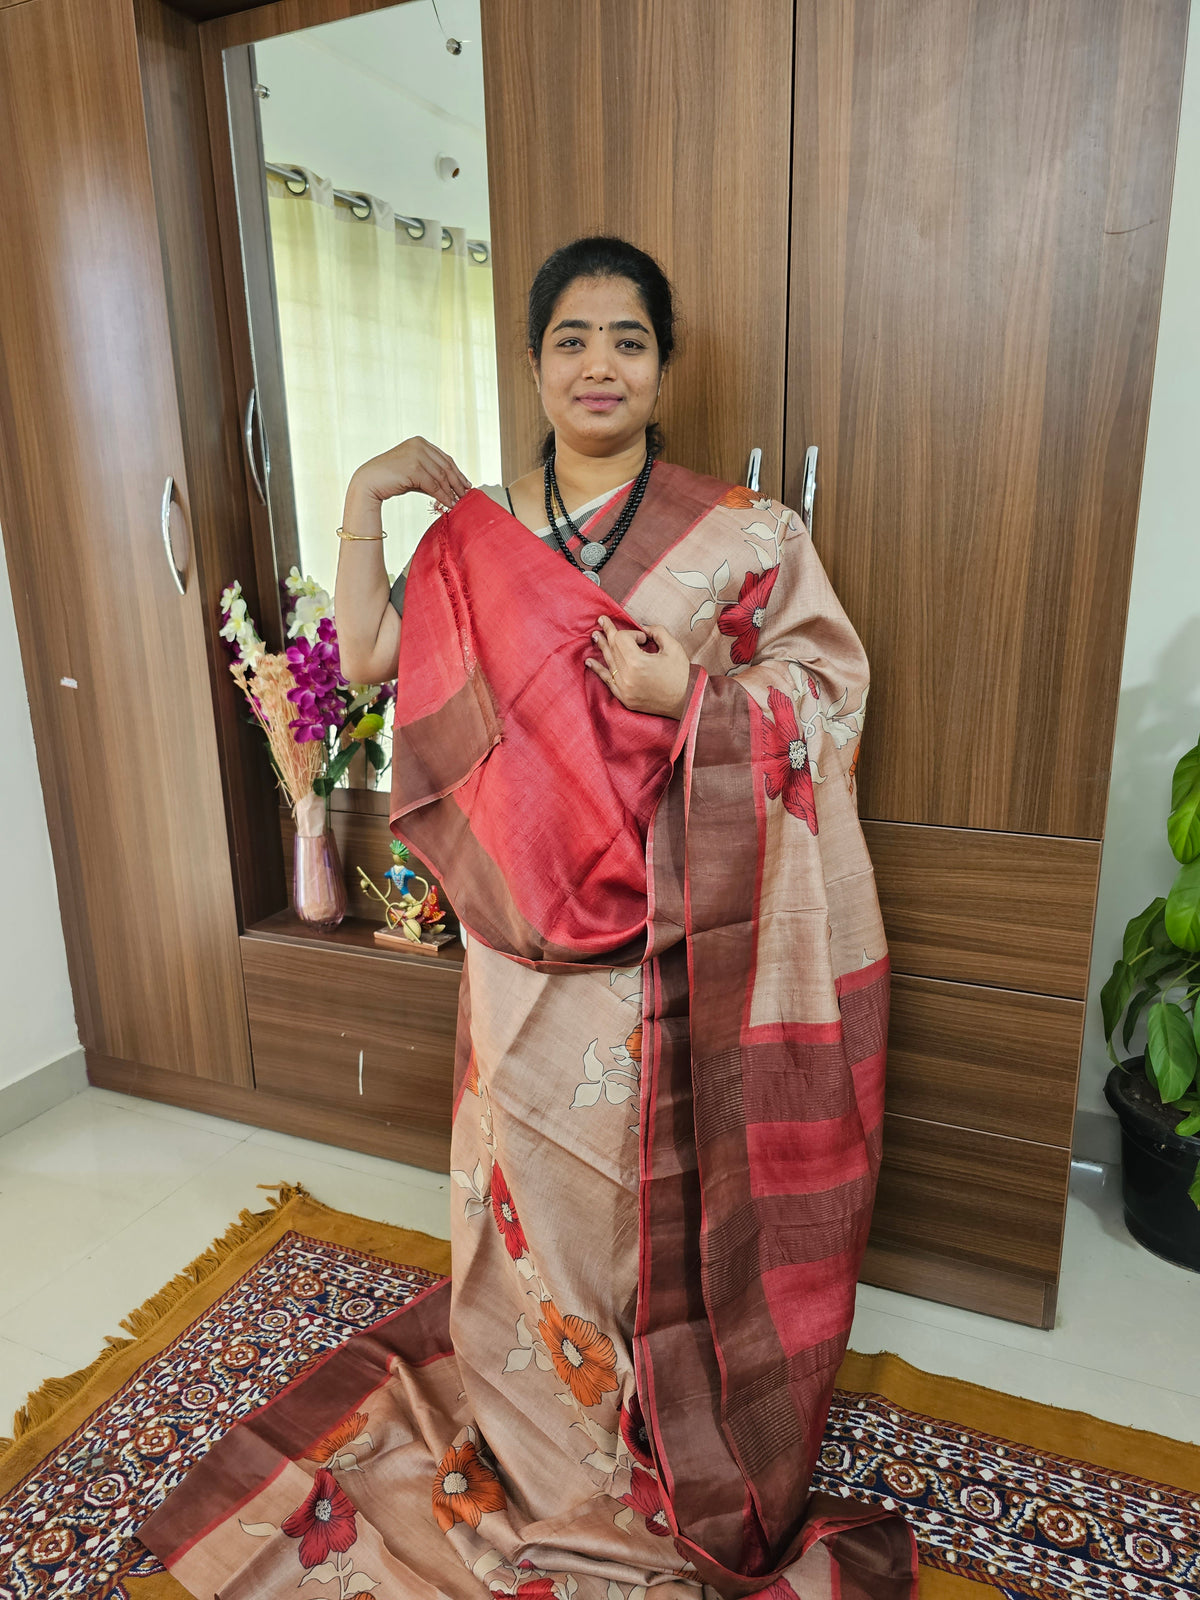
x=594, y=576
x=593, y=553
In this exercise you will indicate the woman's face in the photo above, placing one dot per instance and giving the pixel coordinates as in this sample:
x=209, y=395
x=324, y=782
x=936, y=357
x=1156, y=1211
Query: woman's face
x=599, y=371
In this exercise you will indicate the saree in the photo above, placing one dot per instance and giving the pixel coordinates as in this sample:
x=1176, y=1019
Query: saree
x=668, y=1097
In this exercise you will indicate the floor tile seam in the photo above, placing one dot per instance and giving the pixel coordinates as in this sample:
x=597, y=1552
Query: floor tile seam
x=345, y=1166
x=34, y=1350
x=135, y=1108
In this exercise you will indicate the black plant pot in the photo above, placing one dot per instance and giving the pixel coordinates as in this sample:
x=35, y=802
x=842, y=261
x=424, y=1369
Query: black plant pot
x=1157, y=1167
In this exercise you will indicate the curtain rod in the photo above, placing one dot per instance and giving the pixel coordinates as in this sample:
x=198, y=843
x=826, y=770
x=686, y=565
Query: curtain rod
x=478, y=248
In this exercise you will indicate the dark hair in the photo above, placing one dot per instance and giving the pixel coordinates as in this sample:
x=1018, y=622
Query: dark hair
x=603, y=257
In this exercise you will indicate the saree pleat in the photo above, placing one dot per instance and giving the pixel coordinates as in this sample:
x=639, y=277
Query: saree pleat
x=668, y=1103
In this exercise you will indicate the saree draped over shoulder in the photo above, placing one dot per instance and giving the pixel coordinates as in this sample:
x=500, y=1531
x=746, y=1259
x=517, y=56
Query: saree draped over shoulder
x=668, y=1104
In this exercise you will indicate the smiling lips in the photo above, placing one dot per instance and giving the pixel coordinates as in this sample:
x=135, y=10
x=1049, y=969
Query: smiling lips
x=599, y=402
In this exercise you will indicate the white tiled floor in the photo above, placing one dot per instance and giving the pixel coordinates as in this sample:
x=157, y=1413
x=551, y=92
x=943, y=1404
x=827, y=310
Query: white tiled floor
x=105, y=1198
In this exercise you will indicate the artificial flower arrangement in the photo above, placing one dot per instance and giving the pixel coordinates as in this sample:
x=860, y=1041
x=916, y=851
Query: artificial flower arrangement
x=313, y=719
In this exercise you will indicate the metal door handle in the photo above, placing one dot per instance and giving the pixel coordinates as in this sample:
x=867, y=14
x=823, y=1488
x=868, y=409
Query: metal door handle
x=752, y=469
x=248, y=435
x=179, y=576
x=810, y=486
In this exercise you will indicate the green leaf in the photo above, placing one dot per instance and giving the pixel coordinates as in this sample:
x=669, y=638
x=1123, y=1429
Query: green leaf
x=338, y=765
x=1137, y=929
x=1182, y=914
x=322, y=786
x=367, y=727
x=375, y=754
x=1136, y=1006
x=1194, y=1191
x=1186, y=775
x=1183, y=825
x=1114, y=996
x=1189, y=1125
x=1171, y=1050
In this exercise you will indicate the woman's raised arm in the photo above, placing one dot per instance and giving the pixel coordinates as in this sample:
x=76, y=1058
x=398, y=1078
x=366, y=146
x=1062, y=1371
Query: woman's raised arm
x=368, y=627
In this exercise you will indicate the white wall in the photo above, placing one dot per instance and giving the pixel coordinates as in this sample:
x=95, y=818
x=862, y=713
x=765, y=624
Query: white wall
x=370, y=102
x=37, y=1018
x=1159, y=713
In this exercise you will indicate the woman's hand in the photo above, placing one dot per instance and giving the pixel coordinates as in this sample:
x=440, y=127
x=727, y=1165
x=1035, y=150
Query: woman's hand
x=415, y=465
x=642, y=680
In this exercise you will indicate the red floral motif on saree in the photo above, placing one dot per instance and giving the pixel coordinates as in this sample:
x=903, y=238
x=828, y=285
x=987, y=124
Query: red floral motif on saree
x=788, y=772
x=742, y=620
x=645, y=1497
x=634, y=1043
x=463, y=1488
x=505, y=1213
x=323, y=1523
x=583, y=1357
x=472, y=1083
x=633, y=1431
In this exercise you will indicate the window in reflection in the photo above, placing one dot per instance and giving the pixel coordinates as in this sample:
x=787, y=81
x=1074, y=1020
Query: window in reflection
x=373, y=135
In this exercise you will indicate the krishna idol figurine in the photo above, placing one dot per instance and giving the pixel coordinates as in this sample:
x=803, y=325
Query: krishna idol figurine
x=415, y=919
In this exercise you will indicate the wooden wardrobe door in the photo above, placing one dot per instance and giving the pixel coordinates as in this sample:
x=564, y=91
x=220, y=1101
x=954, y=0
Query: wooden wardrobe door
x=114, y=655
x=979, y=224
x=668, y=125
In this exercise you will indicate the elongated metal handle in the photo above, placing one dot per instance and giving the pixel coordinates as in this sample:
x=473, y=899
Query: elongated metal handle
x=753, y=468
x=248, y=435
x=810, y=485
x=176, y=572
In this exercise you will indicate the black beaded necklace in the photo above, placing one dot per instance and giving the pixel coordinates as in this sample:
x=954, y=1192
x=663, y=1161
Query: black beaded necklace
x=595, y=552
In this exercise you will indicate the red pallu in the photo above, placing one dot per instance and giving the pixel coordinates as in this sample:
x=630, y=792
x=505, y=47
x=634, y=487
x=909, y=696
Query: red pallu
x=568, y=829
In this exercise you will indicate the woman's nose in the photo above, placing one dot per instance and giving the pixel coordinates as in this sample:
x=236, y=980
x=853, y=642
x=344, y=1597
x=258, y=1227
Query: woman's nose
x=599, y=363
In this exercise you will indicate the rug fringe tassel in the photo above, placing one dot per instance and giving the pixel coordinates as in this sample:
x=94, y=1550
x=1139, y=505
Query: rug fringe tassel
x=55, y=1393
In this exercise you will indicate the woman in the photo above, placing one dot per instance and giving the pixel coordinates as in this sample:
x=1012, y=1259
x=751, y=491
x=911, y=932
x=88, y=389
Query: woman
x=627, y=729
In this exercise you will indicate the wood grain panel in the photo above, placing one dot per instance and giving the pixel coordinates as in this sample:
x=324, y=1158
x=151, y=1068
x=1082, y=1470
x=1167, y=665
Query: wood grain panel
x=987, y=1059
x=1014, y=910
x=666, y=124
x=991, y=1291
x=980, y=206
x=399, y=1140
x=352, y=1031
x=115, y=658
x=972, y=1200
x=181, y=162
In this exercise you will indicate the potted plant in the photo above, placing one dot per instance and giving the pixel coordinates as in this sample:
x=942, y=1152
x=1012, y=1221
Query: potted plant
x=1157, y=1096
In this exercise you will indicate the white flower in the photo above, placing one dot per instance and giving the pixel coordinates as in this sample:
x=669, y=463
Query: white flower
x=239, y=628
x=312, y=603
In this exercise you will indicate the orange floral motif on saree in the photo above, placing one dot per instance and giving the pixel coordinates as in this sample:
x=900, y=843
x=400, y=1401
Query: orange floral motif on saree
x=463, y=1488
x=583, y=1357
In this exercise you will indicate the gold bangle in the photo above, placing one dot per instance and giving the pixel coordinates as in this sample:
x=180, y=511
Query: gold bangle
x=342, y=534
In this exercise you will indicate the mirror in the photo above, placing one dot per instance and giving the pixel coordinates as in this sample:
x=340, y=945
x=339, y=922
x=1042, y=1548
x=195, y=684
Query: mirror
x=360, y=167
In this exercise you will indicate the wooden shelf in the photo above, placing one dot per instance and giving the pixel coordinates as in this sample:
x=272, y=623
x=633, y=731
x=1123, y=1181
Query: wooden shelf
x=355, y=934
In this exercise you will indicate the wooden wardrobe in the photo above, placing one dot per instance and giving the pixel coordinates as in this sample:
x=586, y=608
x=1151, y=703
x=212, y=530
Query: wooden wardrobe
x=927, y=238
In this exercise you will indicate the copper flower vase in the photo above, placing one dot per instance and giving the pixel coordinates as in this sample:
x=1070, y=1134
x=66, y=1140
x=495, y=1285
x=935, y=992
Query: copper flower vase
x=318, y=885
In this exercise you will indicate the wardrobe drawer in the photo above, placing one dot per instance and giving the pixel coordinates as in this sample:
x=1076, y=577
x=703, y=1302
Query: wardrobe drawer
x=353, y=1031
x=968, y=1218
x=1012, y=910
x=994, y=1060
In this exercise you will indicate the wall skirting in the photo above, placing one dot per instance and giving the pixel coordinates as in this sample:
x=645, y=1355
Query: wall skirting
x=38, y=1091
x=1097, y=1137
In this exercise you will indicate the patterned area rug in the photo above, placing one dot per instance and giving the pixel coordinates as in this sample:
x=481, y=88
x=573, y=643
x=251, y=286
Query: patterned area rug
x=1006, y=1497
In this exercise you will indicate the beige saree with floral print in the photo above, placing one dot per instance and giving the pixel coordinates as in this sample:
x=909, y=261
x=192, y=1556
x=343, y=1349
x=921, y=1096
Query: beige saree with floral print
x=668, y=1104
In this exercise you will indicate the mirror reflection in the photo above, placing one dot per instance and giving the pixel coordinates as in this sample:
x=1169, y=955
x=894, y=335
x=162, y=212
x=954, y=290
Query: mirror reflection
x=379, y=319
